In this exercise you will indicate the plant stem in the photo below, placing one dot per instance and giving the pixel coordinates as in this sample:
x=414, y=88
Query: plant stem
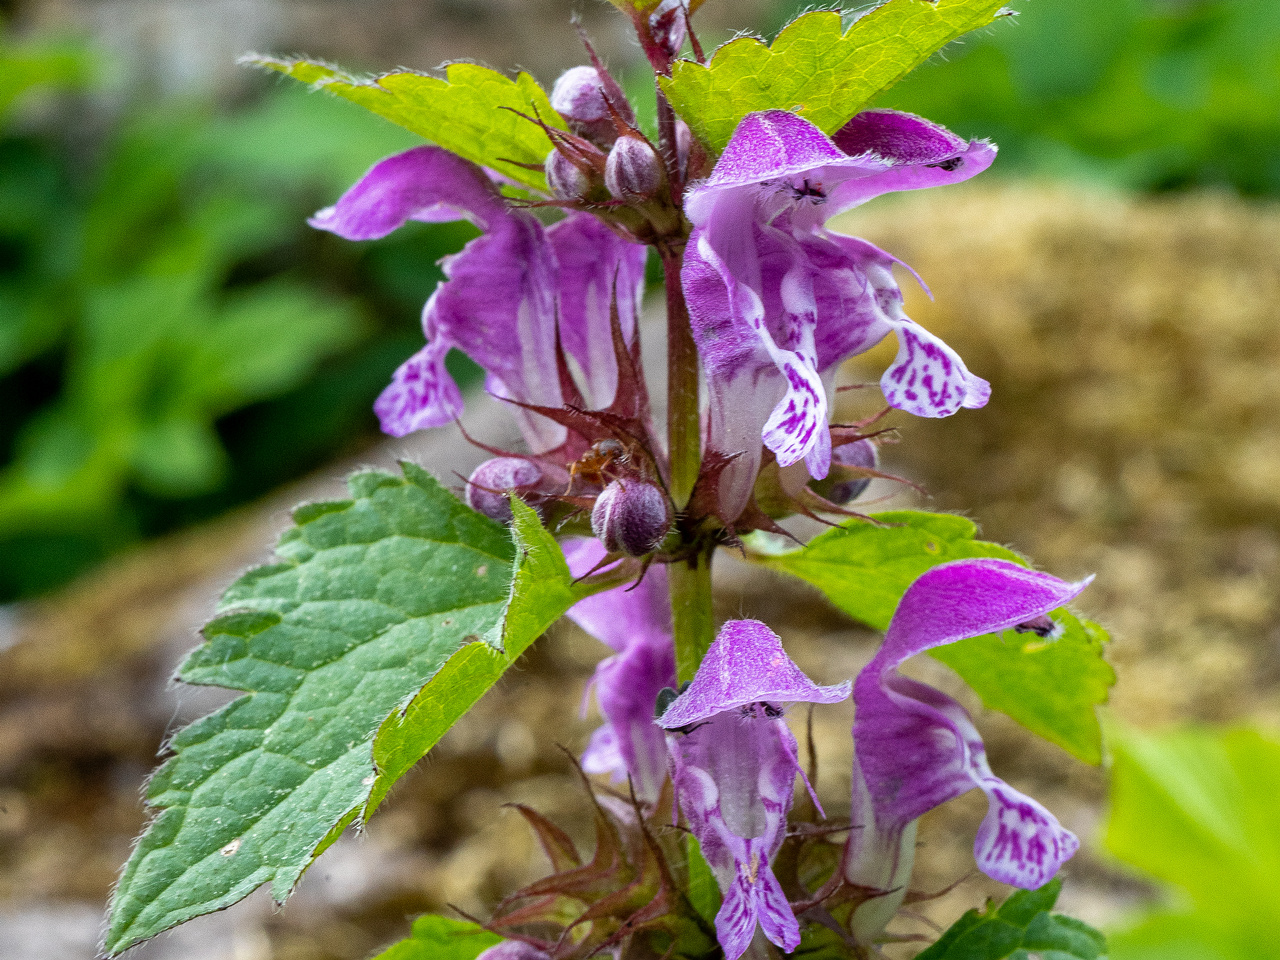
x=692, y=617
x=691, y=611
x=684, y=440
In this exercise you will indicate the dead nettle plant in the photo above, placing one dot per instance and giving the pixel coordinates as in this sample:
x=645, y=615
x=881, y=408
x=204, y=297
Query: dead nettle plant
x=390, y=613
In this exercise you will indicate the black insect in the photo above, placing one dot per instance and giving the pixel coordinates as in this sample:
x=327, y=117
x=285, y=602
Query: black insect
x=812, y=191
x=1042, y=626
x=953, y=163
x=768, y=710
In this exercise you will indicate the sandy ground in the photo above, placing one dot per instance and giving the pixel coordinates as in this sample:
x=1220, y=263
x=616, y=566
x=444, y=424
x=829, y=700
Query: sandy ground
x=1134, y=432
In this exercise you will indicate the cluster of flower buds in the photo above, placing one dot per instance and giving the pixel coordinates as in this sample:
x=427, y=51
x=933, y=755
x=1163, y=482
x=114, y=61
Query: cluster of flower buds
x=605, y=163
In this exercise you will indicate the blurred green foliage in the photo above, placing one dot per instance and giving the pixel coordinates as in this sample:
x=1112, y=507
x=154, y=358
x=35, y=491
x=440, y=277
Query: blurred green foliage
x=1196, y=810
x=165, y=312
x=1146, y=94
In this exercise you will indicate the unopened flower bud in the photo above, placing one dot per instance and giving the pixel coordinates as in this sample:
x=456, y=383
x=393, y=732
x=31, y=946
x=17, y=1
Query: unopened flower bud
x=633, y=171
x=579, y=97
x=567, y=180
x=631, y=517
x=669, y=26
x=489, y=484
x=861, y=455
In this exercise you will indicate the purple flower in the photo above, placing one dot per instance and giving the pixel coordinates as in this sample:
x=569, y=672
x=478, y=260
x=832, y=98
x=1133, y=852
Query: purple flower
x=734, y=765
x=635, y=622
x=776, y=301
x=502, y=294
x=917, y=748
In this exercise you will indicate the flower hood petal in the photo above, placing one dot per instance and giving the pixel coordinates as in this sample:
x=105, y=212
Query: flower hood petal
x=429, y=184
x=746, y=664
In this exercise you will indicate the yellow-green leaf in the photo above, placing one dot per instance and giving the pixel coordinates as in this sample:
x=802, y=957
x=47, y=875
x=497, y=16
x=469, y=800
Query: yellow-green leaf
x=816, y=67
x=472, y=111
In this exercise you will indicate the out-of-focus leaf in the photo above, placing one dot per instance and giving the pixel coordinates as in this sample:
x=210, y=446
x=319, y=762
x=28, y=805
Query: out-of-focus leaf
x=370, y=599
x=1020, y=928
x=1196, y=809
x=297, y=140
x=816, y=67
x=439, y=938
x=25, y=67
x=1053, y=688
x=472, y=111
x=261, y=342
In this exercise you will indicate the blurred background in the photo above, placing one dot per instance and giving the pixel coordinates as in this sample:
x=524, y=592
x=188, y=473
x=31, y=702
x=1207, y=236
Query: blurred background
x=182, y=358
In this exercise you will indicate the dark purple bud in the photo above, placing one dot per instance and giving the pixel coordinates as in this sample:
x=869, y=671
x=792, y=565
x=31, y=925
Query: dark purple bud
x=669, y=26
x=567, y=180
x=631, y=517
x=633, y=171
x=862, y=455
x=579, y=97
x=489, y=484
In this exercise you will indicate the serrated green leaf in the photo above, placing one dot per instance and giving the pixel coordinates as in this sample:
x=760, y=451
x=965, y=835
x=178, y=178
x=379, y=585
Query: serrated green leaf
x=469, y=111
x=439, y=938
x=541, y=591
x=1020, y=928
x=1052, y=688
x=372, y=597
x=1197, y=810
x=816, y=67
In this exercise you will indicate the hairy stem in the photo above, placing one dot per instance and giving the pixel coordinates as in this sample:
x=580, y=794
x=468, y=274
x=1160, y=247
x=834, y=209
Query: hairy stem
x=691, y=612
x=684, y=441
x=690, y=579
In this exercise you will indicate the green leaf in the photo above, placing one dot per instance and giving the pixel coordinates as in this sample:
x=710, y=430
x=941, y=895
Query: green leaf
x=371, y=597
x=541, y=591
x=1051, y=687
x=438, y=938
x=468, y=111
x=816, y=67
x=704, y=892
x=1197, y=810
x=24, y=67
x=1020, y=928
